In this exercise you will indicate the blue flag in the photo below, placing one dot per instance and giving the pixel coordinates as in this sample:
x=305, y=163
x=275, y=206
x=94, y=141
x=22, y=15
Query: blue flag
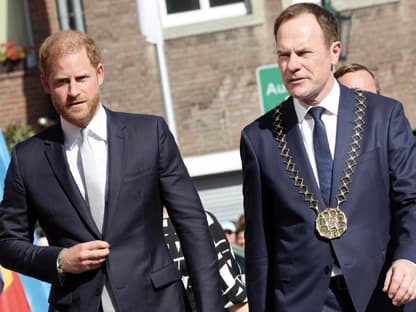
x=4, y=162
x=36, y=291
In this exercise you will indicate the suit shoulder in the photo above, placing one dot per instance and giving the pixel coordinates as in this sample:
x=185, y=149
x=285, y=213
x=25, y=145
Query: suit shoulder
x=377, y=105
x=265, y=121
x=381, y=104
x=139, y=124
x=52, y=133
x=136, y=119
x=255, y=123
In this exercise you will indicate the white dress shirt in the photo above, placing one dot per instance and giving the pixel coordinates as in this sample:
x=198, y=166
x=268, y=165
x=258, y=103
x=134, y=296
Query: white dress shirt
x=99, y=144
x=306, y=124
x=329, y=118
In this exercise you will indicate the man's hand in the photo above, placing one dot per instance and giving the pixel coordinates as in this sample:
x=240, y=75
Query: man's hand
x=400, y=282
x=239, y=307
x=83, y=257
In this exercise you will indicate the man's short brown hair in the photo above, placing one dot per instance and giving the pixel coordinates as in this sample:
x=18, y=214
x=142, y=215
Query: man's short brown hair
x=67, y=42
x=325, y=19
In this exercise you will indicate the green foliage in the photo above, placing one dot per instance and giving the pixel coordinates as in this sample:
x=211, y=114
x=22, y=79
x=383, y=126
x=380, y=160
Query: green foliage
x=15, y=133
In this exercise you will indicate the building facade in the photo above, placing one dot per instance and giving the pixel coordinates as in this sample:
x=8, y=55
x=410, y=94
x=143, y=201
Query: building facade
x=212, y=49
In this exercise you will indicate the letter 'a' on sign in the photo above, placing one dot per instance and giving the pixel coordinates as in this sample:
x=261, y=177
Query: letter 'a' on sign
x=272, y=91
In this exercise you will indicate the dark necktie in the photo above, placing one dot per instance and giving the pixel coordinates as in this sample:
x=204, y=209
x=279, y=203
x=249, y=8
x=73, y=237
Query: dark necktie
x=323, y=157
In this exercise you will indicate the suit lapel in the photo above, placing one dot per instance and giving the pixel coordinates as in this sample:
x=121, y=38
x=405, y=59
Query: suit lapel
x=345, y=124
x=297, y=149
x=55, y=154
x=116, y=148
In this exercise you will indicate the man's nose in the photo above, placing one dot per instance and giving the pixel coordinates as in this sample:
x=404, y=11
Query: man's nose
x=293, y=63
x=74, y=89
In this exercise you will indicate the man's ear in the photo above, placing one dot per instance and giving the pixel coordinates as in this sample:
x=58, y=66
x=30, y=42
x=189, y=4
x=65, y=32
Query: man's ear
x=45, y=83
x=335, y=51
x=100, y=73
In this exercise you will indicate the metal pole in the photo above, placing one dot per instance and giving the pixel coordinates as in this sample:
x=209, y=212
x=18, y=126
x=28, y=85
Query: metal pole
x=164, y=81
x=150, y=27
x=31, y=56
x=79, y=21
x=63, y=14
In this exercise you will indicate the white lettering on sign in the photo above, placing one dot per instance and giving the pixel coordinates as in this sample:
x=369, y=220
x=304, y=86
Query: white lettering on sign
x=275, y=89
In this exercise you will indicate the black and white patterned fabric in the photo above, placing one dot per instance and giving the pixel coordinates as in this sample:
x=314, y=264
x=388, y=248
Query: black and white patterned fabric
x=232, y=280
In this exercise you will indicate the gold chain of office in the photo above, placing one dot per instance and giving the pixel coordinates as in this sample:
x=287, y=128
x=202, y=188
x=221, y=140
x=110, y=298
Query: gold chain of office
x=331, y=222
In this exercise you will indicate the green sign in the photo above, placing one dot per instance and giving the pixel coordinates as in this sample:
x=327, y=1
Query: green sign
x=271, y=88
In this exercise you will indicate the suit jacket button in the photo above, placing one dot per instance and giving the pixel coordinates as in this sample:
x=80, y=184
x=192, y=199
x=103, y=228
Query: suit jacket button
x=327, y=270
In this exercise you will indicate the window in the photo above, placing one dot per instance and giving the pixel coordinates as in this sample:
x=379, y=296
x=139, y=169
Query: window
x=182, y=12
x=341, y=5
x=15, y=26
x=71, y=14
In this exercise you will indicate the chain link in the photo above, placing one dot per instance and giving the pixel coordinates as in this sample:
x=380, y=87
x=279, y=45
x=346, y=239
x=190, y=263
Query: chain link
x=350, y=162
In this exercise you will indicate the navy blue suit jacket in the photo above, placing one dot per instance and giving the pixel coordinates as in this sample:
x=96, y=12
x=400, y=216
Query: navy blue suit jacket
x=288, y=265
x=145, y=172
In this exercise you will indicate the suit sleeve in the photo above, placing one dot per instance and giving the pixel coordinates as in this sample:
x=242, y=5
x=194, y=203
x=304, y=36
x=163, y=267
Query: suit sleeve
x=256, y=251
x=402, y=171
x=17, y=222
x=185, y=210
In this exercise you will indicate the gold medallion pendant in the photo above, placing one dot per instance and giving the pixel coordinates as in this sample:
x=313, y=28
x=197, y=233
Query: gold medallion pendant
x=331, y=223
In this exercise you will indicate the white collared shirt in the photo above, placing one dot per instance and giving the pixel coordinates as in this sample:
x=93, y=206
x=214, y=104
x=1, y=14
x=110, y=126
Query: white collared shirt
x=99, y=144
x=306, y=124
x=329, y=118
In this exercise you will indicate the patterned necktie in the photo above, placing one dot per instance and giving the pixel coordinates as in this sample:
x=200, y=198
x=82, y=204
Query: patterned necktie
x=94, y=187
x=323, y=157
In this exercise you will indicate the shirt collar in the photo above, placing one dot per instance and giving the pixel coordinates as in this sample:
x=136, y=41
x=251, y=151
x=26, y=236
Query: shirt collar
x=97, y=126
x=330, y=103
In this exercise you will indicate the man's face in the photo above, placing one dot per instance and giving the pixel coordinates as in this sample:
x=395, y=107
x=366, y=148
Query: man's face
x=305, y=60
x=239, y=239
x=74, y=86
x=360, y=79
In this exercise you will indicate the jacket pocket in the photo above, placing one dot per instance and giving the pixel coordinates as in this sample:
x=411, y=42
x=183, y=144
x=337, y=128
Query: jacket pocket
x=165, y=276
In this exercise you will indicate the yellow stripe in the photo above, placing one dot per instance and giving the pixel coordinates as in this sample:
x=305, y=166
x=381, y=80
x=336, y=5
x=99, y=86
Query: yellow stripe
x=7, y=277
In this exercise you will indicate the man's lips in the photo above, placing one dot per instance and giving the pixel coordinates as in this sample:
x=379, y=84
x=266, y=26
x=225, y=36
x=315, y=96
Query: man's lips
x=76, y=103
x=296, y=79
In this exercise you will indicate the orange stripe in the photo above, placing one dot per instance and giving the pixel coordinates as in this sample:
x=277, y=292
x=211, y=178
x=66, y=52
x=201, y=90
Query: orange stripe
x=13, y=298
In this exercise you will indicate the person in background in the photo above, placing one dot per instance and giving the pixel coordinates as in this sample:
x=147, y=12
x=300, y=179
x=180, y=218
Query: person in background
x=238, y=248
x=241, y=222
x=229, y=231
x=239, y=237
x=329, y=185
x=357, y=76
x=97, y=182
x=41, y=238
x=233, y=286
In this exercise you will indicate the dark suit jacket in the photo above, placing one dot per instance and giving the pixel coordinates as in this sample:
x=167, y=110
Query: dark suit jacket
x=287, y=265
x=145, y=172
